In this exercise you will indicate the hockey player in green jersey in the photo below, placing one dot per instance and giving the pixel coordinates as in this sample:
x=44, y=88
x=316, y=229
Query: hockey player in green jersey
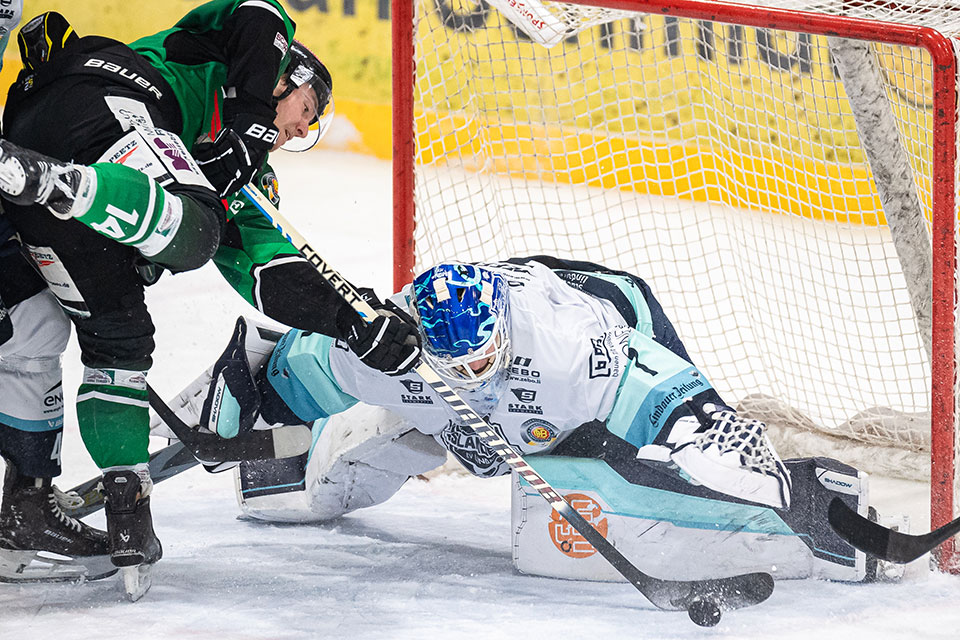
x=114, y=162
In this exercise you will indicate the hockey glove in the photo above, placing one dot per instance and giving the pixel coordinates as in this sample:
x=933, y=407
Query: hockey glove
x=391, y=343
x=233, y=159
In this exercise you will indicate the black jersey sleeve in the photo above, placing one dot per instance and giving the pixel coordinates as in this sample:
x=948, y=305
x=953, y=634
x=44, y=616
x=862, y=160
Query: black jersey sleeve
x=255, y=39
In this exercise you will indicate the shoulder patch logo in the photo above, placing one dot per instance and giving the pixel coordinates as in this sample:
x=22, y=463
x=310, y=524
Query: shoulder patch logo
x=280, y=43
x=270, y=186
x=413, y=386
x=525, y=395
x=538, y=432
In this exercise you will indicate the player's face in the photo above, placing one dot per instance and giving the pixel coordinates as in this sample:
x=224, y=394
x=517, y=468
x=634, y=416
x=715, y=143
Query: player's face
x=294, y=113
x=481, y=364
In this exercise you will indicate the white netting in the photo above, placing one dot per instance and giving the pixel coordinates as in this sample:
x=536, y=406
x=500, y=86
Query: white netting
x=942, y=15
x=720, y=163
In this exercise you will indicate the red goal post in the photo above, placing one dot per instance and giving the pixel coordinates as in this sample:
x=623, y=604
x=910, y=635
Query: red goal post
x=414, y=149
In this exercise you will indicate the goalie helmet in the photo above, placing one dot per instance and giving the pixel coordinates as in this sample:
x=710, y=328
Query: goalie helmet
x=306, y=69
x=463, y=316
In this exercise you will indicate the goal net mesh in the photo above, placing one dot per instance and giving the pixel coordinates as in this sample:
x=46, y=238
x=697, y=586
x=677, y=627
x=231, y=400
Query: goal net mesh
x=719, y=162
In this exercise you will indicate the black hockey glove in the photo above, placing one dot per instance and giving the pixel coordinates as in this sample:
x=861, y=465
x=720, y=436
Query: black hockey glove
x=391, y=343
x=233, y=159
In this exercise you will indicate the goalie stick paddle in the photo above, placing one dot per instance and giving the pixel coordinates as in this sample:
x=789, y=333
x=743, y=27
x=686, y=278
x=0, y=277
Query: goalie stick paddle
x=886, y=544
x=194, y=448
x=211, y=449
x=702, y=599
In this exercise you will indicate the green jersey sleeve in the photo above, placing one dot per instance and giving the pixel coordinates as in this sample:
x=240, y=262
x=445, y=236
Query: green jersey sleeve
x=270, y=274
x=250, y=241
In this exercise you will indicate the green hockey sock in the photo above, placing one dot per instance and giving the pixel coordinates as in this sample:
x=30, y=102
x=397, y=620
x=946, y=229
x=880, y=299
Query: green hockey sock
x=112, y=409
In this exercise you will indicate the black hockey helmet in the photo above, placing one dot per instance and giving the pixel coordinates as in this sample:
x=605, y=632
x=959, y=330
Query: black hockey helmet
x=306, y=69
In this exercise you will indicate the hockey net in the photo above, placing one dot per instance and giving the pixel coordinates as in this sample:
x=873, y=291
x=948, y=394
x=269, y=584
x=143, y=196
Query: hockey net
x=778, y=188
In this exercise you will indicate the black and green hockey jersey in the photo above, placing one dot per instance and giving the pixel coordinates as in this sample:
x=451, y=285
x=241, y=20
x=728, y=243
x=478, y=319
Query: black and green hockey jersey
x=221, y=59
x=237, y=48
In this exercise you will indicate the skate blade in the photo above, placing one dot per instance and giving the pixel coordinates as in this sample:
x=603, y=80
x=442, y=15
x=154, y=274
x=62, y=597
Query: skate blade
x=43, y=566
x=136, y=581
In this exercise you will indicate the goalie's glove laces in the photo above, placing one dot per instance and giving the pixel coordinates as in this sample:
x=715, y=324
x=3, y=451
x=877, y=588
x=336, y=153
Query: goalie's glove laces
x=390, y=343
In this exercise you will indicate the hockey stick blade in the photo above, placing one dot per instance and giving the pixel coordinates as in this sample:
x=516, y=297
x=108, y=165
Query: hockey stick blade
x=165, y=463
x=211, y=449
x=884, y=543
x=721, y=594
x=674, y=595
x=285, y=442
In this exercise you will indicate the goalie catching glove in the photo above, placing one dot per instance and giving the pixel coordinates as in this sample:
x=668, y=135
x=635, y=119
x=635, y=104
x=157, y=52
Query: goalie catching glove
x=239, y=150
x=389, y=343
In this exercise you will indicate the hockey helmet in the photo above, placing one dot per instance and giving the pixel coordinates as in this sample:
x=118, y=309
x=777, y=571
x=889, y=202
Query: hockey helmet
x=463, y=316
x=306, y=69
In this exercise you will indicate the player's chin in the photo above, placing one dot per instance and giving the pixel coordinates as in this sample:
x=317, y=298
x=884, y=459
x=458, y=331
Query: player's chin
x=281, y=140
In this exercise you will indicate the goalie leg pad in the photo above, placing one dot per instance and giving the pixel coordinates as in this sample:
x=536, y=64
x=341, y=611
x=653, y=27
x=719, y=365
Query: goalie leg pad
x=687, y=533
x=359, y=459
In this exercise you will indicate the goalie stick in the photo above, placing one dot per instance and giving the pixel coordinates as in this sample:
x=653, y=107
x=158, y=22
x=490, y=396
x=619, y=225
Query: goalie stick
x=702, y=599
x=195, y=447
x=886, y=544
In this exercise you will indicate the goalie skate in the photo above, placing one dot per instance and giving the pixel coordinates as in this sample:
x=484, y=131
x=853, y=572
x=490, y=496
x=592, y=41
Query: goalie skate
x=879, y=569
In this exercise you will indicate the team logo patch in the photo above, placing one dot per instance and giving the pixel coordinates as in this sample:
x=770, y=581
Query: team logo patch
x=565, y=538
x=270, y=186
x=413, y=386
x=415, y=395
x=280, y=43
x=176, y=156
x=525, y=395
x=538, y=432
x=474, y=454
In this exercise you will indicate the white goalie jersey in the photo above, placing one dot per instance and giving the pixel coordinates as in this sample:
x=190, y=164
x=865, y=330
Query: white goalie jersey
x=568, y=354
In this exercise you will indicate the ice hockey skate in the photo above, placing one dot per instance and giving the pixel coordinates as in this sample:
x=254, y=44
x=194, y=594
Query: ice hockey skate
x=134, y=546
x=39, y=542
x=28, y=177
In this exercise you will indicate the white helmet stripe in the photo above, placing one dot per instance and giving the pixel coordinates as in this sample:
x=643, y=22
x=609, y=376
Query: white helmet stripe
x=440, y=287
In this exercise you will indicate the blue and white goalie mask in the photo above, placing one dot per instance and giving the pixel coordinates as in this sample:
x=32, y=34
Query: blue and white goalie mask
x=463, y=316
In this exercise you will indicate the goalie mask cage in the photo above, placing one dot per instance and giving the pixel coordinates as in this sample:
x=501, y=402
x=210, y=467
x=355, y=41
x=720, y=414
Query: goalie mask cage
x=782, y=175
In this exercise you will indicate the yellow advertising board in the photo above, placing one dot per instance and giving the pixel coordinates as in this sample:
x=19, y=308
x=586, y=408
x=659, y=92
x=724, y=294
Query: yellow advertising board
x=599, y=132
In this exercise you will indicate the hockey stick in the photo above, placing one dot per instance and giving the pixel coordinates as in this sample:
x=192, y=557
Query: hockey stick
x=195, y=448
x=884, y=543
x=210, y=449
x=702, y=599
x=165, y=463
